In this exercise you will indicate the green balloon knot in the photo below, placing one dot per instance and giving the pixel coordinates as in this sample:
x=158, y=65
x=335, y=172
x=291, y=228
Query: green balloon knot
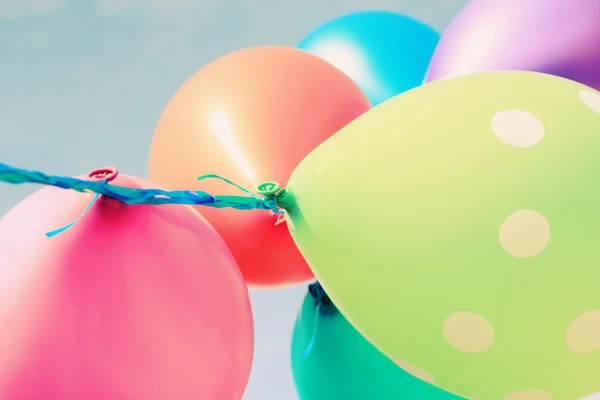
x=285, y=199
x=273, y=191
x=268, y=189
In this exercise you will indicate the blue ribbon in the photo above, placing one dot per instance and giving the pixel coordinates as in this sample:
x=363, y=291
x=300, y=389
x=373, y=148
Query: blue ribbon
x=64, y=228
x=16, y=176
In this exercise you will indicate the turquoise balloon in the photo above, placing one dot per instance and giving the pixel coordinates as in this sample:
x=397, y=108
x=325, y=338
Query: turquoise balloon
x=332, y=361
x=384, y=53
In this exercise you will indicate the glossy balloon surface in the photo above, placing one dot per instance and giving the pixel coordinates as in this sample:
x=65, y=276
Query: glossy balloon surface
x=559, y=37
x=385, y=53
x=252, y=116
x=133, y=302
x=457, y=227
x=342, y=364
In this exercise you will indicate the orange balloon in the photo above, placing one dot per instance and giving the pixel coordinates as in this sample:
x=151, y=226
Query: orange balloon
x=252, y=116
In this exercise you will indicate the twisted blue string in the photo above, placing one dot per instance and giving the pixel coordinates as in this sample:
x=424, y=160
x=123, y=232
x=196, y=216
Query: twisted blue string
x=16, y=176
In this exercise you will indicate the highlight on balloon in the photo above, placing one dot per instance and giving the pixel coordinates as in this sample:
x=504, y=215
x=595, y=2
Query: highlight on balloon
x=435, y=193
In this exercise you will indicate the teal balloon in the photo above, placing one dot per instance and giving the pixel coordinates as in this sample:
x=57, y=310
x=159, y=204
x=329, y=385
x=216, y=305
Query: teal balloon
x=384, y=53
x=332, y=361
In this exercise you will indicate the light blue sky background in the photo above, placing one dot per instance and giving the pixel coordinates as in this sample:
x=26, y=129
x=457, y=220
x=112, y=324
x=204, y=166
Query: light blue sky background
x=83, y=83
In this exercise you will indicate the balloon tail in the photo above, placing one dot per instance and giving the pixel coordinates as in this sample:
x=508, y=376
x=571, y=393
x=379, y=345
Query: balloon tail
x=70, y=225
x=314, y=333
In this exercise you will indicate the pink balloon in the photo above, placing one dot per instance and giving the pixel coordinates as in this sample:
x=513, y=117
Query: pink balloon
x=132, y=303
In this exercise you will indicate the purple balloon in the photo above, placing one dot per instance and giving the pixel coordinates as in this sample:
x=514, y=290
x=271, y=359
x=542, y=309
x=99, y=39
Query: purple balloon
x=558, y=37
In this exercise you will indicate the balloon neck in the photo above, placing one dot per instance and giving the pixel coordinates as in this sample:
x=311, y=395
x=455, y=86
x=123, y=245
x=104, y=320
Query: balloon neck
x=320, y=297
x=104, y=175
x=281, y=196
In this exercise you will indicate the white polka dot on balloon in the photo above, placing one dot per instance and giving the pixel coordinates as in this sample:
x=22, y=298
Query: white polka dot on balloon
x=583, y=335
x=518, y=128
x=590, y=99
x=524, y=233
x=468, y=332
x=528, y=395
x=415, y=371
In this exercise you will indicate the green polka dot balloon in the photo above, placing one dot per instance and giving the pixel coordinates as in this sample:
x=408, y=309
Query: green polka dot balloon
x=457, y=226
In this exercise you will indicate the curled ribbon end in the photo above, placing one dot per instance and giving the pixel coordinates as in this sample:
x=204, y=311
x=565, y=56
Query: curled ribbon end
x=70, y=225
x=313, y=338
x=323, y=304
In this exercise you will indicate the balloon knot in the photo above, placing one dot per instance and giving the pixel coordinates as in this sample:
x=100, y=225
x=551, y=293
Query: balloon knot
x=273, y=191
x=320, y=298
